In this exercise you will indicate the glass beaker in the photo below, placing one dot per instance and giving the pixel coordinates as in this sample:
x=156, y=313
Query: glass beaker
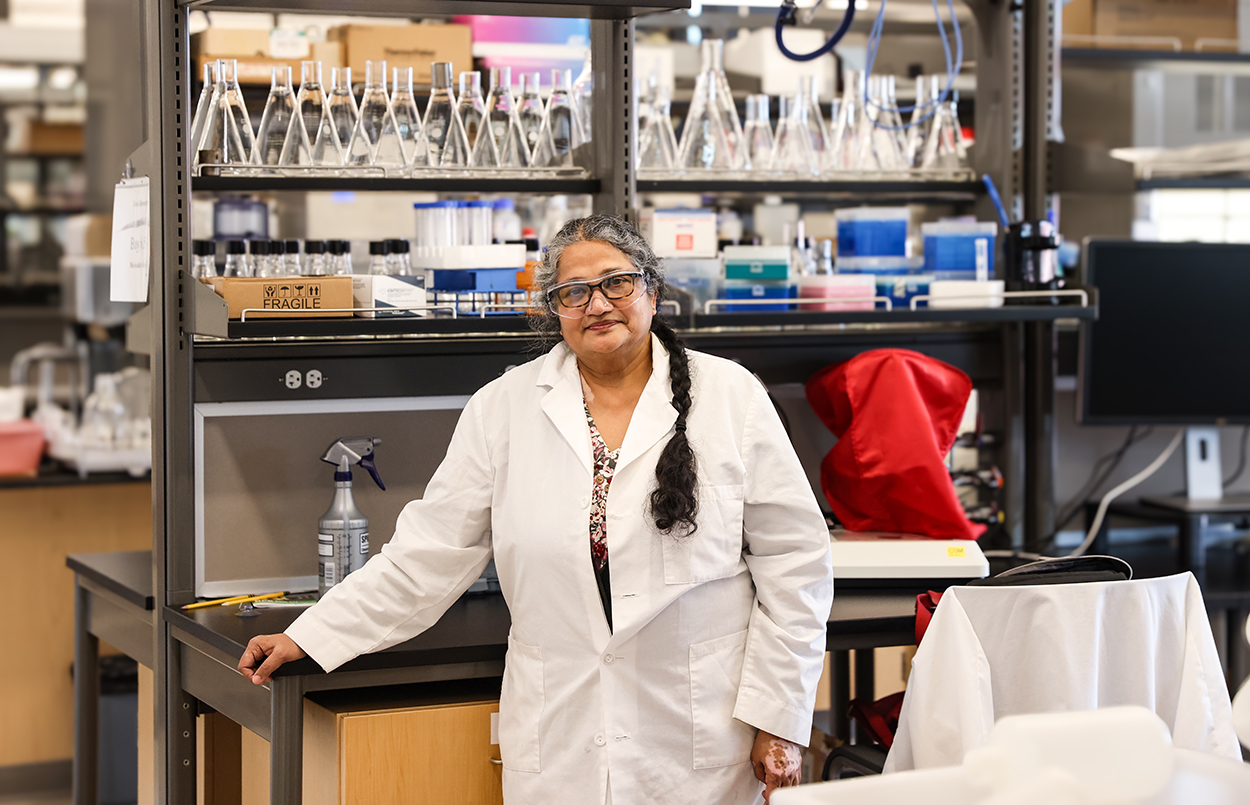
x=657, y=142
x=758, y=131
x=582, y=96
x=471, y=107
x=220, y=143
x=234, y=96
x=530, y=111
x=202, y=107
x=443, y=132
x=814, y=120
x=343, y=109
x=506, y=147
x=375, y=120
x=275, y=121
x=407, y=118
x=561, y=132
x=794, y=150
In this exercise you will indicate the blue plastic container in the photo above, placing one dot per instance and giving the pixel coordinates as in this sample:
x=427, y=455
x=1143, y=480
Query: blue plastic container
x=478, y=280
x=756, y=290
x=899, y=289
x=880, y=266
x=960, y=248
x=872, y=231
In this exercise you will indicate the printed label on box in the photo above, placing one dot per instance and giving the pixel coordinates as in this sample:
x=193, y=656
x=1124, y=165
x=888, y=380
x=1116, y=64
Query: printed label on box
x=291, y=296
x=685, y=242
x=956, y=552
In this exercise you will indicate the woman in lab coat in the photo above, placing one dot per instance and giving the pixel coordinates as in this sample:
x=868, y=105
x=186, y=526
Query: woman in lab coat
x=662, y=555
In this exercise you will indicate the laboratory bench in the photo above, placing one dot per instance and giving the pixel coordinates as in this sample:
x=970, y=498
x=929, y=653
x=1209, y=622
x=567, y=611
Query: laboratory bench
x=53, y=473
x=115, y=603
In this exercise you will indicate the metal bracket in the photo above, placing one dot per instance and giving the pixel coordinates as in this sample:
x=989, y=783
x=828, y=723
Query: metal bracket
x=139, y=331
x=206, y=312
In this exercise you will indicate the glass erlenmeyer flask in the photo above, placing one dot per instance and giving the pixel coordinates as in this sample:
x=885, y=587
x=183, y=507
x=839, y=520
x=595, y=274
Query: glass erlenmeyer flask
x=375, y=118
x=713, y=52
x=852, y=136
x=921, y=116
x=706, y=141
x=506, y=146
x=657, y=143
x=889, y=118
x=234, y=96
x=944, y=147
x=220, y=143
x=582, y=95
x=201, y=108
x=312, y=139
x=471, y=107
x=885, y=145
x=530, y=110
x=343, y=109
x=759, y=131
x=442, y=133
x=561, y=131
x=814, y=119
x=275, y=121
x=794, y=150
x=407, y=118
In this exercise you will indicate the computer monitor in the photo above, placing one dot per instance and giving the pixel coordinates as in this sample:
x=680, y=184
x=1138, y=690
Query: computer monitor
x=1170, y=346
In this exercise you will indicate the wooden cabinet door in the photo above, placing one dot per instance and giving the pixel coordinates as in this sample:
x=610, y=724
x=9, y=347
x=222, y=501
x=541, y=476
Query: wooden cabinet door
x=431, y=755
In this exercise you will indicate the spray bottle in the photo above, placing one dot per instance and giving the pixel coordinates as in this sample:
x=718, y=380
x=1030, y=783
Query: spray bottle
x=343, y=531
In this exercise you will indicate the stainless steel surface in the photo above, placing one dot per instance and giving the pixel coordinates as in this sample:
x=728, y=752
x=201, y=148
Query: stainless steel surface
x=119, y=623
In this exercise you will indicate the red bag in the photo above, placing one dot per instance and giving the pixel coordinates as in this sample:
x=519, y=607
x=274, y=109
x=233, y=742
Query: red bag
x=880, y=718
x=926, y=604
x=896, y=414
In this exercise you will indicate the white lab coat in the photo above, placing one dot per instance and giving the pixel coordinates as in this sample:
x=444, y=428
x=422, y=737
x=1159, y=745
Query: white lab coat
x=716, y=636
x=997, y=651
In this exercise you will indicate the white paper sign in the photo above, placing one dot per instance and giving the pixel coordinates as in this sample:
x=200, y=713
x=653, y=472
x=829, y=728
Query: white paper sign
x=128, y=272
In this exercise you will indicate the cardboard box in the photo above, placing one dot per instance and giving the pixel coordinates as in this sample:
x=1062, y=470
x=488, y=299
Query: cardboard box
x=415, y=46
x=231, y=43
x=311, y=297
x=50, y=139
x=680, y=233
x=383, y=292
x=1186, y=20
x=258, y=68
x=1078, y=20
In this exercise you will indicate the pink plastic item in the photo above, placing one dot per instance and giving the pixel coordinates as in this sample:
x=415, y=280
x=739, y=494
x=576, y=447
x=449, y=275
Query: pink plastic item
x=21, y=447
x=862, y=287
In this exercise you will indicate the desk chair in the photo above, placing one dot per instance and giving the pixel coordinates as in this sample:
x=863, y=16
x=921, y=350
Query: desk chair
x=992, y=652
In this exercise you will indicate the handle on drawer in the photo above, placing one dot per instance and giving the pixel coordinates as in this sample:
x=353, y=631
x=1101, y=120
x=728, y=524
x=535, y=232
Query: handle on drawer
x=495, y=762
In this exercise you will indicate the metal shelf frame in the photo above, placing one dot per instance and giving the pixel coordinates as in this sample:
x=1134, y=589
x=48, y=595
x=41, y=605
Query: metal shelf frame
x=999, y=350
x=447, y=184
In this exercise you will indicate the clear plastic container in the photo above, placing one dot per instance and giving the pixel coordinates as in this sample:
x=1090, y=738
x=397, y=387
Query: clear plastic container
x=436, y=224
x=480, y=219
x=700, y=278
x=872, y=231
x=959, y=249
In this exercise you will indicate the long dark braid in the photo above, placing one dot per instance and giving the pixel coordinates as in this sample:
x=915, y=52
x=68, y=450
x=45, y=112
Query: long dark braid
x=674, y=503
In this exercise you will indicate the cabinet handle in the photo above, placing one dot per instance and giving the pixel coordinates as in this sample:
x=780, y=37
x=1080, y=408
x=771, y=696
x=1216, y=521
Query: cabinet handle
x=496, y=762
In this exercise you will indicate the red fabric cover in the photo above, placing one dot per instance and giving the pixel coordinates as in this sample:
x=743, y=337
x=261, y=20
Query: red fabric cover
x=926, y=605
x=895, y=413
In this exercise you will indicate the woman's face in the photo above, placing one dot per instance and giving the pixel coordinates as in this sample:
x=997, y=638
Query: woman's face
x=604, y=327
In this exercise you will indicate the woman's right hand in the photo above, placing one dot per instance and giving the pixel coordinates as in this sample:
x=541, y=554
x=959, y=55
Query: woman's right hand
x=265, y=653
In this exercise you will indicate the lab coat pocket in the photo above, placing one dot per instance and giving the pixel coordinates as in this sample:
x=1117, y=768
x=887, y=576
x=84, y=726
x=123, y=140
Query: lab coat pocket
x=715, y=670
x=521, y=707
x=714, y=551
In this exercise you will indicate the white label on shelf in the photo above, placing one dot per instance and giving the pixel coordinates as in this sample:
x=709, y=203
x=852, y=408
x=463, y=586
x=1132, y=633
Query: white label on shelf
x=983, y=259
x=128, y=273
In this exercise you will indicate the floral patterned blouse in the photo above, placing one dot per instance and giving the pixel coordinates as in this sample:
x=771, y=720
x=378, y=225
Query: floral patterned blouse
x=605, y=468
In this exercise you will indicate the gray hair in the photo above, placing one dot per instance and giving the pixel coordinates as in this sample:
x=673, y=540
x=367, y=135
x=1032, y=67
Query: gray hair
x=615, y=232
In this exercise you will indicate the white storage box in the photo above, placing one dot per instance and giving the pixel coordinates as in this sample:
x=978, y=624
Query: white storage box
x=498, y=255
x=965, y=294
x=680, y=233
x=388, y=294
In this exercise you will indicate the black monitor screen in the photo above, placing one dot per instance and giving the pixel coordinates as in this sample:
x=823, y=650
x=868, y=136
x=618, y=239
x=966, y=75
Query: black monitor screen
x=1172, y=340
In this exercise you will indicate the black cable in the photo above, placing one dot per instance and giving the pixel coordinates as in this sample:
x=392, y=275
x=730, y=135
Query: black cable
x=1241, y=460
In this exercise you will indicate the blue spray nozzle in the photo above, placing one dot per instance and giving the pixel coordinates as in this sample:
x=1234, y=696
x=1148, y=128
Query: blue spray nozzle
x=357, y=450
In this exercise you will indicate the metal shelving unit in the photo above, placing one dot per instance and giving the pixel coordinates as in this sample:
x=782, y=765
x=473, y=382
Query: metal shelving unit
x=1195, y=183
x=993, y=346
x=914, y=190
x=1172, y=61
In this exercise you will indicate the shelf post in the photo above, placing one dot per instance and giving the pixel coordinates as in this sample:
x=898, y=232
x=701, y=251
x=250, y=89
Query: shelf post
x=614, y=128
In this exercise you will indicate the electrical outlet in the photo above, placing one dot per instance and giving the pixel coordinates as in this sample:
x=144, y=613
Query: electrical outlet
x=294, y=379
x=313, y=378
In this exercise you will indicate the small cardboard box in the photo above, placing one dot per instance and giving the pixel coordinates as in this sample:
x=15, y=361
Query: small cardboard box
x=280, y=298
x=1187, y=20
x=388, y=295
x=231, y=43
x=415, y=46
x=258, y=68
x=680, y=233
x=1078, y=20
x=52, y=139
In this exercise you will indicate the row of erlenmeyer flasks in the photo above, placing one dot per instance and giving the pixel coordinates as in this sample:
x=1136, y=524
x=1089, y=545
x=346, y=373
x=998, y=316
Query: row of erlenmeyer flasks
x=320, y=128
x=865, y=133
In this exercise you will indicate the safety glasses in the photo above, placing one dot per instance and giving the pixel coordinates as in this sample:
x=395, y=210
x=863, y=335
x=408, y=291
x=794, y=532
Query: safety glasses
x=569, y=300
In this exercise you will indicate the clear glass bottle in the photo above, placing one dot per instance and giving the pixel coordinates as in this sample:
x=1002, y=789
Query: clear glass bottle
x=343, y=108
x=275, y=121
x=257, y=258
x=236, y=260
x=582, y=95
x=203, y=259
x=506, y=147
x=376, y=119
x=378, y=263
x=275, y=265
x=315, y=262
x=472, y=107
x=105, y=420
x=401, y=250
x=561, y=132
x=202, y=107
x=814, y=120
x=657, y=142
x=220, y=143
x=343, y=262
x=759, y=131
x=292, y=266
x=407, y=118
x=530, y=111
x=446, y=145
x=234, y=96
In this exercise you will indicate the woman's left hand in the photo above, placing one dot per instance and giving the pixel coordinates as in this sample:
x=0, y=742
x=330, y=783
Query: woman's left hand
x=777, y=762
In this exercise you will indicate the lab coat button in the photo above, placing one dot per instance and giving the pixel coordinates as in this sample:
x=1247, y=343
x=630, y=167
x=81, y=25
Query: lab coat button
x=608, y=658
x=600, y=739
